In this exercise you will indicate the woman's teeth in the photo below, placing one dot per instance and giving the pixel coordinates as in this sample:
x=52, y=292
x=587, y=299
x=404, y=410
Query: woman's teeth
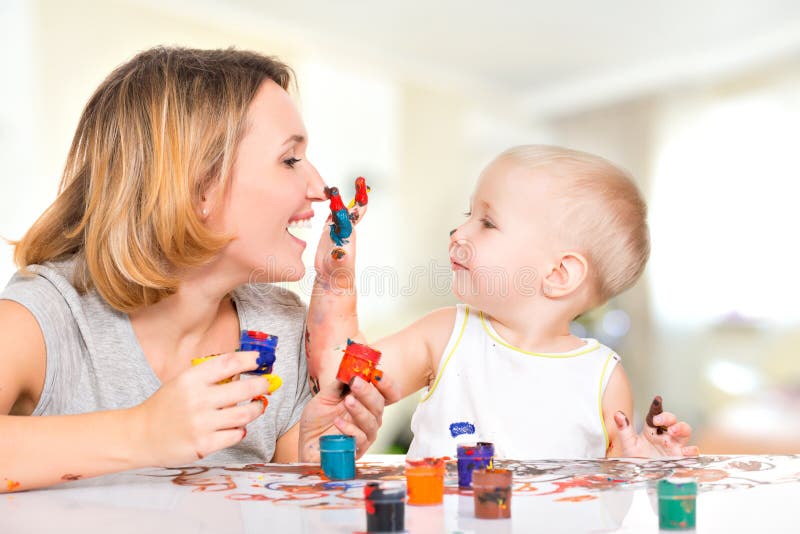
x=298, y=228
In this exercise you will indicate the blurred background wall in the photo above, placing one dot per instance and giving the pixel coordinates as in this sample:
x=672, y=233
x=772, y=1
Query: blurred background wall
x=700, y=100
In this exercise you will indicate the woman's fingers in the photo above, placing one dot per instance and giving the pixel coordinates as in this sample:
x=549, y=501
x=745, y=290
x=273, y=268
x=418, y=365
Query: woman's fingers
x=348, y=428
x=225, y=366
x=232, y=393
x=236, y=416
x=369, y=396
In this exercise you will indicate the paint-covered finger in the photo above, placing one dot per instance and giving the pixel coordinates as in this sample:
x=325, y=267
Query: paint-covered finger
x=626, y=435
x=219, y=368
x=241, y=390
x=389, y=388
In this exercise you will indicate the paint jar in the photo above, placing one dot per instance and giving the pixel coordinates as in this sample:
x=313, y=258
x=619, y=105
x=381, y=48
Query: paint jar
x=492, y=490
x=385, y=503
x=470, y=457
x=337, y=455
x=359, y=360
x=677, y=499
x=264, y=344
x=425, y=479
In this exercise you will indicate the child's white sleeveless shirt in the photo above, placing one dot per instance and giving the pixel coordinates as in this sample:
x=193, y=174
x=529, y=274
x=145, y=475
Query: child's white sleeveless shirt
x=530, y=405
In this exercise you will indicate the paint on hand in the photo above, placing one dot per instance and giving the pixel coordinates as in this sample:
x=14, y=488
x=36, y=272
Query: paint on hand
x=11, y=485
x=341, y=226
x=362, y=193
x=69, y=476
x=656, y=407
x=457, y=429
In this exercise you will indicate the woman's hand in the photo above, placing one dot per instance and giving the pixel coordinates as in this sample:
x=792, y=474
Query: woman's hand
x=358, y=414
x=194, y=415
x=668, y=437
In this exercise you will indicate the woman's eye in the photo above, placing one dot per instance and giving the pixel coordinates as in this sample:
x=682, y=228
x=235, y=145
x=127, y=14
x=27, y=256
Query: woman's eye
x=290, y=162
x=467, y=214
x=487, y=223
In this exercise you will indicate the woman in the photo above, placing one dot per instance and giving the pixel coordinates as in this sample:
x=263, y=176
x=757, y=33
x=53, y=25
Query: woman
x=185, y=172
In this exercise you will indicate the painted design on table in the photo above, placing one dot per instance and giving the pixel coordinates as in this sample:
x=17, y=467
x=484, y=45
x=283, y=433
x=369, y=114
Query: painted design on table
x=562, y=481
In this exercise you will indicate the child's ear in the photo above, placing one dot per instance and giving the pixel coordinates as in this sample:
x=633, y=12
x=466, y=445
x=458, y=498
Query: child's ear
x=565, y=277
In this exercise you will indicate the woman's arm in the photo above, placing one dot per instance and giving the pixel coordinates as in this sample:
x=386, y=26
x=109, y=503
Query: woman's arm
x=186, y=419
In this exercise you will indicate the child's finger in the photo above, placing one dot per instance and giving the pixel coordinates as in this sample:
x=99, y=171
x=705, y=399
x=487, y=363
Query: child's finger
x=665, y=419
x=389, y=389
x=681, y=432
x=626, y=435
x=358, y=213
x=226, y=366
x=690, y=451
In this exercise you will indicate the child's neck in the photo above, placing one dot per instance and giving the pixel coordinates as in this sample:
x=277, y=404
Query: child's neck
x=535, y=332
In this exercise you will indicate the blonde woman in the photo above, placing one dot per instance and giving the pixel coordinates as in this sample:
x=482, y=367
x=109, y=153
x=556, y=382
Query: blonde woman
x=185, y=172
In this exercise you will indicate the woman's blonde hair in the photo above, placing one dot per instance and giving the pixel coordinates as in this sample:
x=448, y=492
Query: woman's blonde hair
x=601, y=212
x=153, y=137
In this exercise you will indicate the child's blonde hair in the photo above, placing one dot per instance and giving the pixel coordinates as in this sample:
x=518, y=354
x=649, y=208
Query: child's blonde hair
x=602, y=213
x=153, y=137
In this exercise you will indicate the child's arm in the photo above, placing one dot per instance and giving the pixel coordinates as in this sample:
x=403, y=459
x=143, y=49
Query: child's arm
x=184, y=420
x=623, y=440
x=411, y=356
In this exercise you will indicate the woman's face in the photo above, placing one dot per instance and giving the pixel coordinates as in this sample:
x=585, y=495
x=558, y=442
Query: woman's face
x=272, y=187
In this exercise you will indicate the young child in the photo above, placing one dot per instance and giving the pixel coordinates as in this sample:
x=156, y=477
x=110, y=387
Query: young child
x=551, y=233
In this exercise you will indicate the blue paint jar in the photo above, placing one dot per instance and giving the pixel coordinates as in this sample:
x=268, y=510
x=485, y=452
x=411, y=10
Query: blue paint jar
x=470, y=457
x=337, y=455
x=264, y=344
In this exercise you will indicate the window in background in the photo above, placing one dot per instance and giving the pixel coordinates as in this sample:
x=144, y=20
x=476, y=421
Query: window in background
x=724, y=209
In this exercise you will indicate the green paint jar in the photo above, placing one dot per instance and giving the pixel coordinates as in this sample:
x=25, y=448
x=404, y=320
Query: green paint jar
x=677, y=503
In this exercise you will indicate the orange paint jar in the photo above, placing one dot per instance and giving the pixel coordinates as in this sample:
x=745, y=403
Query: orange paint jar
x=359, y=360
x=425, y=481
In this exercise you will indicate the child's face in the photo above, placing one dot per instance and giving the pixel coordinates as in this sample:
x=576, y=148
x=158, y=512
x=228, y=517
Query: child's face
x=499, y=254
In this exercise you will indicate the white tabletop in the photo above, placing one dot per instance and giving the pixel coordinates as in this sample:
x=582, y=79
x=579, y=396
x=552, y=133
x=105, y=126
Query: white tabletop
x=737, y=494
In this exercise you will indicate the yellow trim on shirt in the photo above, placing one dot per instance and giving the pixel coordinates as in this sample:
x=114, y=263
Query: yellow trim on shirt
x=580, y=352
x=447, y=359
x=600, y=399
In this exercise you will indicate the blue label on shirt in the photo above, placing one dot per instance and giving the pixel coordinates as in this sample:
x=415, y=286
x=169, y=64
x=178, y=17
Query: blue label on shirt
x=456, y=429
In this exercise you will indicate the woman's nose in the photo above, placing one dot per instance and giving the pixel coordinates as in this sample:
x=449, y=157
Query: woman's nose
x=315, y=189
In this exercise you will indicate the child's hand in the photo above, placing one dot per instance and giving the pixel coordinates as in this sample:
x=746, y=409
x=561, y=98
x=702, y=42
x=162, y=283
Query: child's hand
x=668, y=437
x=192, y=416
x=358, y=414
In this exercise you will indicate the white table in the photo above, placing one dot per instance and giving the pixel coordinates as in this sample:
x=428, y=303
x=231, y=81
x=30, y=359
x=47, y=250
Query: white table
x=737, y=494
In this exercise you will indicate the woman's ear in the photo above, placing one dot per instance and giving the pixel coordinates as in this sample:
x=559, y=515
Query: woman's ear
x=565, y=277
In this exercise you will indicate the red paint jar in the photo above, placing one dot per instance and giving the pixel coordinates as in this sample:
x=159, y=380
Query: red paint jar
x=492, y=490
x=359, y=360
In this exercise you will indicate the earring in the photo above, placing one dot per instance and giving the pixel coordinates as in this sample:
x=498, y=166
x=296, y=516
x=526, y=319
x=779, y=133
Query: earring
x=205, y=212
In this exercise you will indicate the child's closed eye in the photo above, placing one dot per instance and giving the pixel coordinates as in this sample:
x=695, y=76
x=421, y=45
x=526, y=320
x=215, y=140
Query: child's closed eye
x=487, y=223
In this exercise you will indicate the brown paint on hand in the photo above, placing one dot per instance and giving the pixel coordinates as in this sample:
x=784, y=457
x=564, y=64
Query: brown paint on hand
x=69, y=476
x=656, y=407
